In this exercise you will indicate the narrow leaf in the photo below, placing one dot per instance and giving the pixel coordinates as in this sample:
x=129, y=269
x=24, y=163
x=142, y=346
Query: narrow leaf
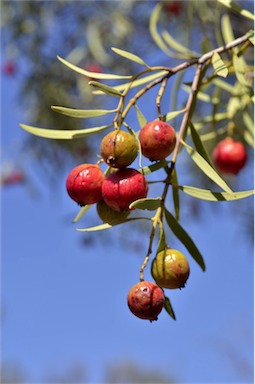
x=240, y=71
x=250, y=36
x=140, y=117
x=63, y=134
x=104, y=226
x=168, y=307
x=150, y=204
x=175, y=193
x=206, y=168
x=153, y=167
x=81, y=113
x=171, y=115
x=184, y=238
x=218, y=65
x=177, y=46
x=105, y=88
x=162, y=239
x=94, y=75
x=199, y=144
x=237, y=8
x=205, y=194
x=130, y=56
x=82, y=212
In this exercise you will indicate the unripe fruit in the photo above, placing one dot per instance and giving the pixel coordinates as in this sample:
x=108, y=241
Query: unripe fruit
x=146, y=300
x=122, y=187
x=229, y=156
x=170, y=269
x=119, y=149
x=157, y=140
x=84, y=184
x=108, y=215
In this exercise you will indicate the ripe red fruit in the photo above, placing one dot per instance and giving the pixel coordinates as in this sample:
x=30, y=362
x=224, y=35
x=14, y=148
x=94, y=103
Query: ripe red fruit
x=119, y=149
x=9, y=68
x=84, y=184
x=146, y=300
x=157, y=140
x=229, y=156
x=173, y=7
x=122, y=187
x=170, y=269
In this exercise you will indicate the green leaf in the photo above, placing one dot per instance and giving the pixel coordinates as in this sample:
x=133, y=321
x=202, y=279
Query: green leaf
x=250, y=36
x=171, y=115
x=206, y=168
x=130, y=56
x=218, y=65
x=177, y=46
x=140, y=117
x=175, y=192
x=94, y=75
x=162, y=239
x=199, y=144
x=104, y=226
x=205, y=194
x=185, y=239
x=81, y=113
x=237, y=8
x=209, y=119
x=150, y=204
x=240, y=71
x=224, y=85
x=168, y=307
x=82, y=212
x=63, y=134
x=227, y=30
x=105, y=88
x=153, y=167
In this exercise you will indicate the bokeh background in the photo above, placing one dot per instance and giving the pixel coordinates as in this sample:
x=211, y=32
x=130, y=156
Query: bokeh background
x=64, y=316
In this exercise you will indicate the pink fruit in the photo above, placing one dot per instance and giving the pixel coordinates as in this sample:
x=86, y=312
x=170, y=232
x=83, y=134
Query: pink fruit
x=229, y=156
x=122, y=187
x=146, y=300
x=157, y=140
x=84, y=184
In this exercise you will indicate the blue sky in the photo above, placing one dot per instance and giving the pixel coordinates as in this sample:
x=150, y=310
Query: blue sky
x=64, y=299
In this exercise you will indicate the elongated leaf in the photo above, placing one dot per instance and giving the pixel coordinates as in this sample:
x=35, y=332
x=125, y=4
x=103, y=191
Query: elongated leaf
x=250, y=36
x=248, y=122
x=205, y=194
x=249, y=138
x=184, y=238
x=171, y=115
x=206, y=168
x=104, y=226
x=82, y=212
x=150, y=204
x=153, y=167
x=93, y=75
x=237, y=8
x=224, y=85
x=208, y=119
x=162, y=239
x=81, y=113
x=227, y=31
x=105, y=88
x=199, y=144
x=175, y=193
x=177, y=46
x=63, y=134
x=218, y=65
x=240, y=70
x=130, y=56
x=140, y=117
x=168, y=307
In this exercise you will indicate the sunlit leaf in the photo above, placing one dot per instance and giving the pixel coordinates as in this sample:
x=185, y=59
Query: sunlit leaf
x=205, y=194
x=237, y=8
x=82, y=212
x=130, y=56
x=199, y=144
x=224, y=85
x=175, y=192
x=81, y=113
x=93, y=75
x=105, y=88
x=240, y=71
x=63, y=134
x=95, y=43
x=168, y=307
x=148, y=203
x=227, y=31
x=250, y=36
x=140, y=117
x=206, y=168
x=173, y=43
x=184, y=238
x=162, y=239
x=209, y=119
x=171, y=115
x=104, y=226
x=153, y=167
x=218, y=65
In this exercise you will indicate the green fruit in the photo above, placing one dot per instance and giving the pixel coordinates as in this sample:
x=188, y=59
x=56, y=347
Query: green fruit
x=170, y=269
x=108, y=215
x=119, y=149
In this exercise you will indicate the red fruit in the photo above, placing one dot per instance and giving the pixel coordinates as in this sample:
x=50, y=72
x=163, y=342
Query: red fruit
x=14, y=177
x=173, y=7
x=170, y=269
x=146, y=300
x=157, y=140
x=119, y=148
x=122, y=187
x=229, y=156
x=9, y=68
x=84, y=184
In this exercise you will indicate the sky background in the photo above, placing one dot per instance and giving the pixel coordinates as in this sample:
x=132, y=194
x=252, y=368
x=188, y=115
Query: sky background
x=64, y=293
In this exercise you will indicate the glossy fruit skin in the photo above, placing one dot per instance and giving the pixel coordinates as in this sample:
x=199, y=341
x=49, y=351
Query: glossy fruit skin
x=170, y=269
x=108, y=215
x=122, y=187
x=157, y=140
x=119, y=149
x=146, y=300
x=229, y=156
x=84, y=184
